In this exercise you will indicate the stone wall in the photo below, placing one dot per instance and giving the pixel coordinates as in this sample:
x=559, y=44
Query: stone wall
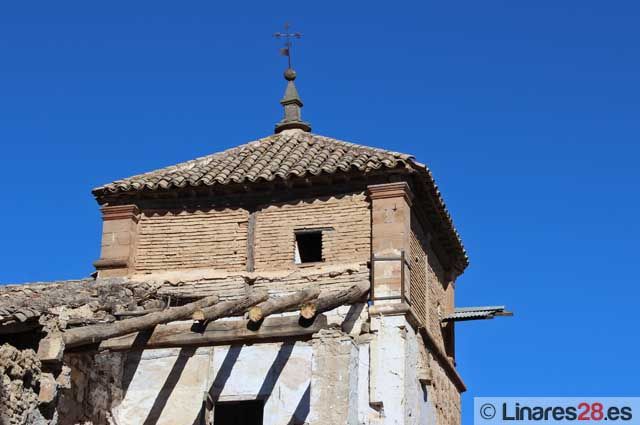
x=20, y=374
x=96, y=386
x=334, y=383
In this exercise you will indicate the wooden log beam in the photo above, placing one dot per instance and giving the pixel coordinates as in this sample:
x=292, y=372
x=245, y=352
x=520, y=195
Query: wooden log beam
x=230, y=308
x=136, y=313
x=96, y=333
x=216, y=333
x=335, y=299
x=281, y=304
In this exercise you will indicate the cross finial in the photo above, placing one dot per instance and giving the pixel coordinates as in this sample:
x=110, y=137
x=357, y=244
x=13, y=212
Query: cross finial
x=291, y=101
x=288, y=37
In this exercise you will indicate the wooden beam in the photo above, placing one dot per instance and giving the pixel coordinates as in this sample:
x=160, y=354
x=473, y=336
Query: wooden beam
x=96, y=333
x=230, y=308
x=251, y=229
x=217, y=333
x=282, y=304
x=331, y=300
x=137, y=313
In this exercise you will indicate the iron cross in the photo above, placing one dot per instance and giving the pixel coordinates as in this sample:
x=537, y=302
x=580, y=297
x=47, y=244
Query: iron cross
x=287, y=36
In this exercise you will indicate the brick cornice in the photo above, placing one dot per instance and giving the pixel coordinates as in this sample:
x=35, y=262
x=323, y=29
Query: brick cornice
x=391, y=190
x=120, y=212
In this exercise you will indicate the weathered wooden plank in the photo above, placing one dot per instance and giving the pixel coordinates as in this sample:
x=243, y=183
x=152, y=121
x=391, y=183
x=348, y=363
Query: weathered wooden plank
x=217, y=333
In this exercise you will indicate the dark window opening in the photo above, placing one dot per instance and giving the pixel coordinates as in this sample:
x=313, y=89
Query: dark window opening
x=449, y=339
x=238, y=413
x=308, y=247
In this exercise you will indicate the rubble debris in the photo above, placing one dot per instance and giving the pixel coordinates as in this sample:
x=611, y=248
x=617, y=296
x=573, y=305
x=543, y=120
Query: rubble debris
x=20, y=385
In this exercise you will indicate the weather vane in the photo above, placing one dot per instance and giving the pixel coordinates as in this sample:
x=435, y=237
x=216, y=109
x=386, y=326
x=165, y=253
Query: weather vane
x=288, y=37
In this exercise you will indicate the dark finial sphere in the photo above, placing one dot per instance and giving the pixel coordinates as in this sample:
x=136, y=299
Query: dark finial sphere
x=290, y=74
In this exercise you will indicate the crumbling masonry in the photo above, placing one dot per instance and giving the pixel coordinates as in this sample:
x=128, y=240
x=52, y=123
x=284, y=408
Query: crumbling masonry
x=296, y=279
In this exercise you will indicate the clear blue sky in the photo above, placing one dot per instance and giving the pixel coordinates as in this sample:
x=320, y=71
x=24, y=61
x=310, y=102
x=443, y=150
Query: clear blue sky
x=526, y=112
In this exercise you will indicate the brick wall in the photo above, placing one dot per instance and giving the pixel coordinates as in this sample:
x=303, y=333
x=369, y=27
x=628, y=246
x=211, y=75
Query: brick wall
x=428, y=292
x=418, y=276
x=348, y=242
x=218, y=238
x=194, y=239
x=444, y=396
x=437, y=305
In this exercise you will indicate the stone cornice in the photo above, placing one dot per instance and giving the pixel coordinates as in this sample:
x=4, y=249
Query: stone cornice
x=120, y=212
x=391, y=190
x=111, y=263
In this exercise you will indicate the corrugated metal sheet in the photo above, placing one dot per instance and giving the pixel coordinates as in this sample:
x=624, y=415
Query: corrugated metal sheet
x=476, y=313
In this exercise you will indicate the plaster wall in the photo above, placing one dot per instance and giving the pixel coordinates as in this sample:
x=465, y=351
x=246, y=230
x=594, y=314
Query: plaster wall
x=171, y=386
x=351, y=374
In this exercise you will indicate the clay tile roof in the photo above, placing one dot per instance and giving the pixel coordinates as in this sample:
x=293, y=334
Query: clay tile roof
x=285, y=155
x=26, y=302
x=21, y=302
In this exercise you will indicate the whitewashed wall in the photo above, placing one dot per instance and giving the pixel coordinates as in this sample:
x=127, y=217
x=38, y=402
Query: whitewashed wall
x=169, y=385
x=367, y=379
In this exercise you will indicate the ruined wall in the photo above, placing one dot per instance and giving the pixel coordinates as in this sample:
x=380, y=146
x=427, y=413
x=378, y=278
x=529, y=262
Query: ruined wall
x=20, y=373
x=192, y=239
x=348, y=242
x=355, y=373
x=96, y=386
x=175, y=385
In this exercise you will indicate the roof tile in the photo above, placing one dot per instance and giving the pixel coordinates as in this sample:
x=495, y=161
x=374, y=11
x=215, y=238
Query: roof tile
x=283, y=155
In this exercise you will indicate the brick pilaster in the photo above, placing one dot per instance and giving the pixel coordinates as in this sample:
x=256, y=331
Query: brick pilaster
x=390, y=237
x=119, y=234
